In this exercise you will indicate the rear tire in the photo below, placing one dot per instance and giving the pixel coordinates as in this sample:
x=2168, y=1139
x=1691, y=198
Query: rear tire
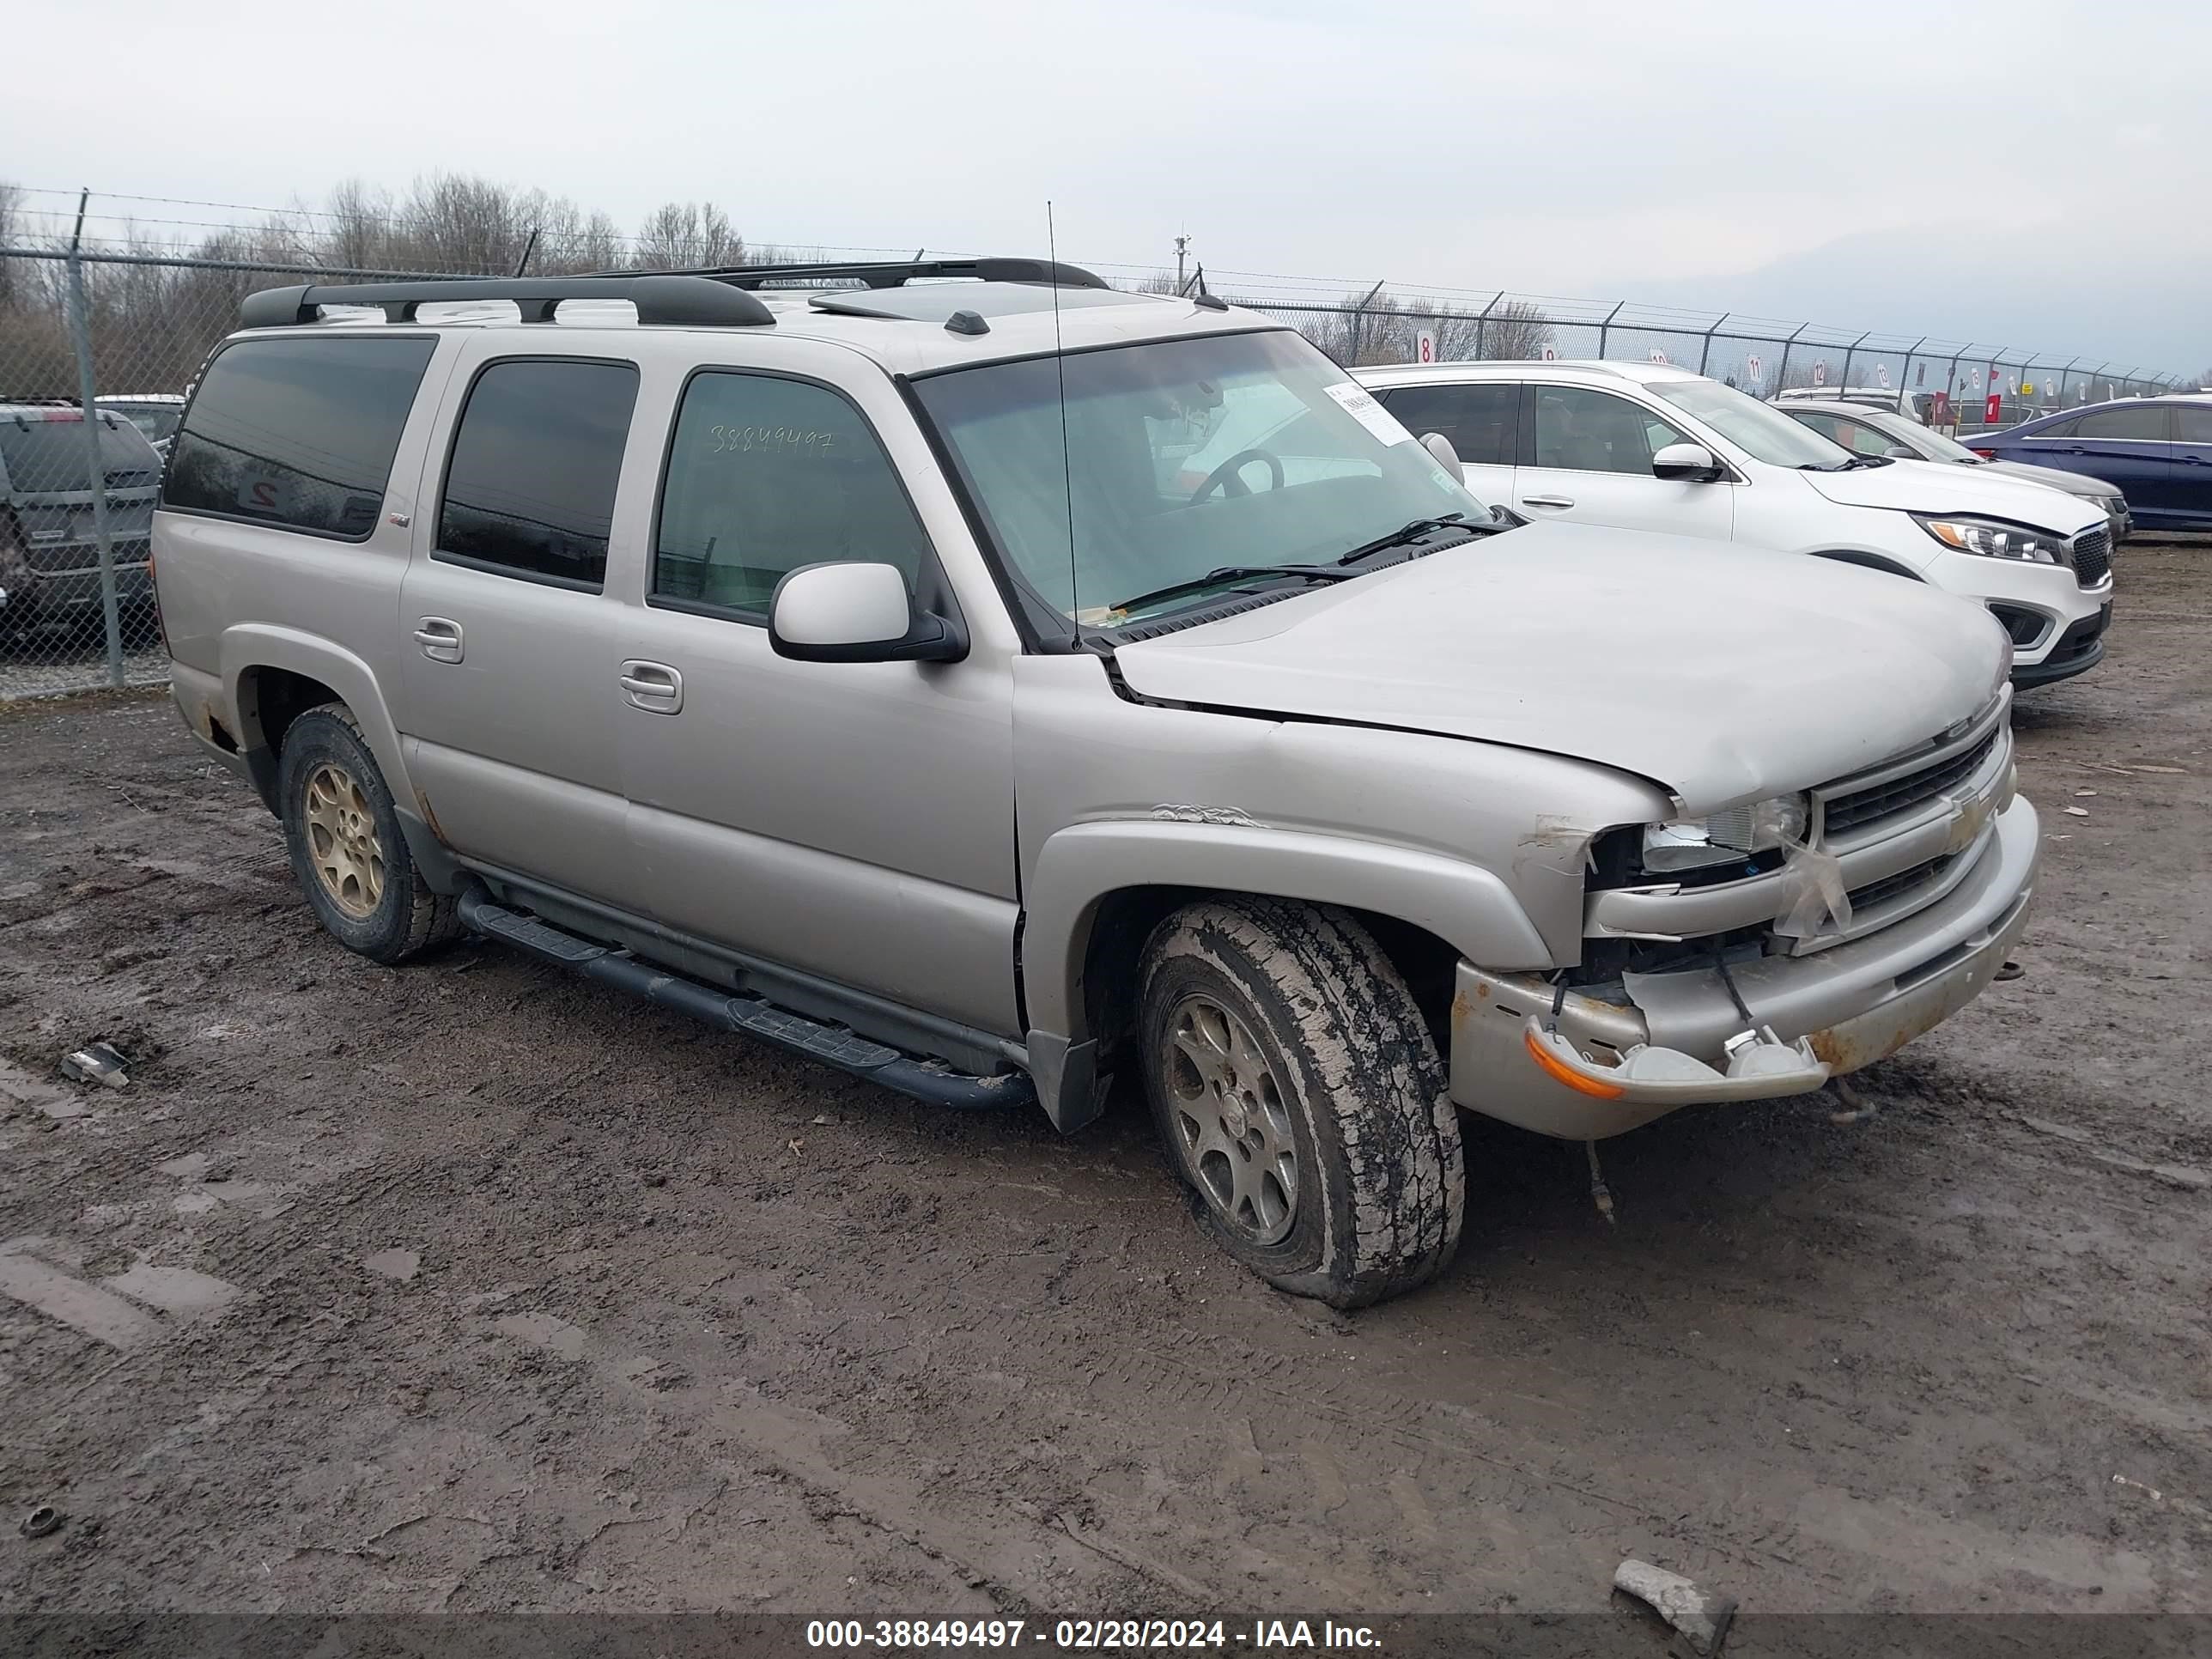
x=348, y=853
x=1297, y=1092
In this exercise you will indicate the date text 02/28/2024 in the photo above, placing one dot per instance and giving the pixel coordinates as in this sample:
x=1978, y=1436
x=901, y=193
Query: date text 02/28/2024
x=1092, y=1635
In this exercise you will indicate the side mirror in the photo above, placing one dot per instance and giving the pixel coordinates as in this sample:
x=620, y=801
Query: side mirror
x=1901, y=453
x=1447, y=458
x=856, y=612
x=1687, y=464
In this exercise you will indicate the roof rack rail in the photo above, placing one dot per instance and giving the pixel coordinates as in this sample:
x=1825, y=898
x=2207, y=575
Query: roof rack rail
x=893, y=273
x=682, y=299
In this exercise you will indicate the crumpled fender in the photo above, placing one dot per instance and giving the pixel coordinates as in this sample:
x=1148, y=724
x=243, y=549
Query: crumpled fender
x=1077, y=867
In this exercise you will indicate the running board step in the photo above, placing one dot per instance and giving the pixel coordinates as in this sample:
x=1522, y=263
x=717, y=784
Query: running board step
x=832, y=1045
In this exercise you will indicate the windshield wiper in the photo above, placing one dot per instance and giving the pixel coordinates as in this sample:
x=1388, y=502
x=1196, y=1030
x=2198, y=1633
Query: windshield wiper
x=1405, y=535
x=1233, y=572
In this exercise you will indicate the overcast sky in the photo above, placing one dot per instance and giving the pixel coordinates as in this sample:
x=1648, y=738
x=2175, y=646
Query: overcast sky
x=2030, y=172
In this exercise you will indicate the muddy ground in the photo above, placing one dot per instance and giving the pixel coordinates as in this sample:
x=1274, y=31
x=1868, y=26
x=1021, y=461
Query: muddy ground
x=465, y=1287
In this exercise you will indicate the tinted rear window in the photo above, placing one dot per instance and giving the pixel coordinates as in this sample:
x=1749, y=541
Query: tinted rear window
x=530, y=488
x=1480, y=420
x=298, y=431
x=48, y=456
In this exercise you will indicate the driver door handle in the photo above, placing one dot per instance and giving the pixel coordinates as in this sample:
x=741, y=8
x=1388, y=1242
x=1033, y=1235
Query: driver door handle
x=1547, y=501
x=652, y=686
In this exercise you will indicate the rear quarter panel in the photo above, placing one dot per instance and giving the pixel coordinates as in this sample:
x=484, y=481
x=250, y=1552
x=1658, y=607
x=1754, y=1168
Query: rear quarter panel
x=237, y=596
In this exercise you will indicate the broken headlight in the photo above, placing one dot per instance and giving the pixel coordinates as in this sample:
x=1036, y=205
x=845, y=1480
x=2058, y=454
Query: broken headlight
x=1996, y=540
x=1725, y=837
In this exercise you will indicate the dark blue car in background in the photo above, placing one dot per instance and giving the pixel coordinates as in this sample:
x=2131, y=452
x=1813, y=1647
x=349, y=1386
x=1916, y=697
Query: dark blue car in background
x=2157, y=449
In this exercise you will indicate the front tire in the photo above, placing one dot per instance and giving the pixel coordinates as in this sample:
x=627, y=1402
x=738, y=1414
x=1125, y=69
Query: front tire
x=1298, y=1094
x=347, y=853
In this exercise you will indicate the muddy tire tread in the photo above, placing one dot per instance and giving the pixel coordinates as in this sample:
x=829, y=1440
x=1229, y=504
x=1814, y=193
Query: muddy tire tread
x=1369, y=1062
x=432, y=918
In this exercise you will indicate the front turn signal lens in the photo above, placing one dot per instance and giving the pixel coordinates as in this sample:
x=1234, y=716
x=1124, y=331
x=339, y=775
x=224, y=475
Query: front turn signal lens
x=1559, y=1072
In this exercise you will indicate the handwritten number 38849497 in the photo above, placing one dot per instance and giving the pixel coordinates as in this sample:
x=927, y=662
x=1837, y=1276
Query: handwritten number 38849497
x=771, y=439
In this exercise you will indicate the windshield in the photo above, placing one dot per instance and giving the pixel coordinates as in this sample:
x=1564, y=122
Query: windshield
x=48, y=456
x=1180, y=458
x=1760, y=430
x=157, y=421
x=1932, y=445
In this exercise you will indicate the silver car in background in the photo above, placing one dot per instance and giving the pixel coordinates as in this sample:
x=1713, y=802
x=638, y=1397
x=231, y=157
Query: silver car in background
x=1866, y=431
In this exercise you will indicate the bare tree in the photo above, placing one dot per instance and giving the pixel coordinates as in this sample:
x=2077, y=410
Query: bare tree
x=355, y=228
x=11, y=232
x=1516, y=331
x=694, y=235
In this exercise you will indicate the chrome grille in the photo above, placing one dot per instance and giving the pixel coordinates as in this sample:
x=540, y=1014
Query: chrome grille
x=2092, y=557
x=1902, y=793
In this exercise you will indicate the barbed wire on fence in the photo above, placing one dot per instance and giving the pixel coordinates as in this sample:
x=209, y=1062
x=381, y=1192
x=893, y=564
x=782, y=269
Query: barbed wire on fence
x=120, y=321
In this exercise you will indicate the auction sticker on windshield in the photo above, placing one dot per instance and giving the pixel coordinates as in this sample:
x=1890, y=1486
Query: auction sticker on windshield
x=1361, y=405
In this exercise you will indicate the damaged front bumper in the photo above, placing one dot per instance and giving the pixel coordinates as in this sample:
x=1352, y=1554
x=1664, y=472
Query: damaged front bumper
x=1840, y=1009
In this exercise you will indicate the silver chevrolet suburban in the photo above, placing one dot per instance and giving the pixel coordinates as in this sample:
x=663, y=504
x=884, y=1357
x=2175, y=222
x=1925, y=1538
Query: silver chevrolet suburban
x=906, y=665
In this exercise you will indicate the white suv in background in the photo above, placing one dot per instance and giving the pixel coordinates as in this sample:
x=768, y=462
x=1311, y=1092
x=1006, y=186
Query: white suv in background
x=1653, y=448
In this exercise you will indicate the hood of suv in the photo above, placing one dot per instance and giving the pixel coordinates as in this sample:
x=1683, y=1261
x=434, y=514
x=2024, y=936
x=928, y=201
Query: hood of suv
x=1721, y=674
x=1943, y=487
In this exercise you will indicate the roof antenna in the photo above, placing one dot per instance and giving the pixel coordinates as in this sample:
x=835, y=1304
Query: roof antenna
x=1059, y=366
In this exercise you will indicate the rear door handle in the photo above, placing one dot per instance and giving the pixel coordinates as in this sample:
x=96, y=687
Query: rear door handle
x=652, y=686
x=440, y=638
x=1547, y=501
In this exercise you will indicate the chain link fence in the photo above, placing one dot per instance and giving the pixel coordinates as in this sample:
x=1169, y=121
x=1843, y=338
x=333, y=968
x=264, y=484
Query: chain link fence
x=99, y=348
x=97, y=351
x=1947, y=383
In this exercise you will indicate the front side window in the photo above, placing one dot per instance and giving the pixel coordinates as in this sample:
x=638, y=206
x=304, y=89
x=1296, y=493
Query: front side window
x=2192, y=423
x=2141, y=422
x=766, y=475
x=1165, y=461
x=530, y=488
x=298, y=431
x=1583, y=431
x=1480, y=418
